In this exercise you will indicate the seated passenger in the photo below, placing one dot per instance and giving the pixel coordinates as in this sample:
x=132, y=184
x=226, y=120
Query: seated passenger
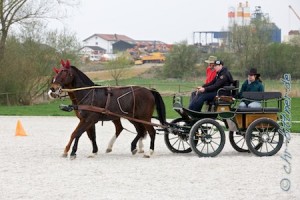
x=210, y=73
x=252, y=84
x=209, y=90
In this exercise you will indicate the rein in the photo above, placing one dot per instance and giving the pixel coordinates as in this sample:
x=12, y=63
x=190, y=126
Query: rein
x=93, y=87
x=107, y=112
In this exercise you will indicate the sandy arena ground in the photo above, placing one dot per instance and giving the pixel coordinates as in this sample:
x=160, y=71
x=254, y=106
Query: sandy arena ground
x=31, y=167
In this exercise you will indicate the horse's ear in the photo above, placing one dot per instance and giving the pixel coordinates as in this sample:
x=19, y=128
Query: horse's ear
x=67, y=64
x=55, y=70
x=62, y=62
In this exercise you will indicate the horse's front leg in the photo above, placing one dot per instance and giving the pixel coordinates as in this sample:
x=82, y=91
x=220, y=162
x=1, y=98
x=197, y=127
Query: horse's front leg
x=80, y=129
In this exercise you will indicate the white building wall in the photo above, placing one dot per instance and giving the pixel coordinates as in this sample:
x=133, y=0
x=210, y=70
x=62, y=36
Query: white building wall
x=97, y=41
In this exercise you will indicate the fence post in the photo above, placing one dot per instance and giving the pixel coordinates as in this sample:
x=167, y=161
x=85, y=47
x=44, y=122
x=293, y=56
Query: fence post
x=7, y=100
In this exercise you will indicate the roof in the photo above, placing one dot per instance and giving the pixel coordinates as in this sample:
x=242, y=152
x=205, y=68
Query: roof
x=148, y=42
x=294, y=32
x=95, y=48
x=111, y=37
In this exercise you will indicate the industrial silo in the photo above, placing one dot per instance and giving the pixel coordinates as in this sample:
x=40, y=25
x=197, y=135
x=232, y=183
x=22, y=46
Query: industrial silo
x=239, y=15
x=231, y=16
x=246, y=14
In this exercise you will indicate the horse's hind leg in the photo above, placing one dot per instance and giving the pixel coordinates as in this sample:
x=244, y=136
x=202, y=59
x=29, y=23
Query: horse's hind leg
x=91, y=132
x=133, y=144
x=152, y=134
x=141, y=132
x=119, y=128
x=141, y=146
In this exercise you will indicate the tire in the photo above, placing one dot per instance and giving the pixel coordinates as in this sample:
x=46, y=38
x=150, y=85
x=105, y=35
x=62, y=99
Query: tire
x=263, y=138
x=238, y=142
x=207, y=138
x=178, y=142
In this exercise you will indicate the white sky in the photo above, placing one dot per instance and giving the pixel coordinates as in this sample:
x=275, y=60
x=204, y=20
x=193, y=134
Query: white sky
x=169, y=20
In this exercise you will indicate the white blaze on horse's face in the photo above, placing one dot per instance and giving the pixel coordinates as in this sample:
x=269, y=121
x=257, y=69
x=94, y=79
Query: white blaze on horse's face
x=54, y=91
x=51, y=94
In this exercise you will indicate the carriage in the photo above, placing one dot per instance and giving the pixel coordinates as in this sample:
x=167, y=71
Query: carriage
x=253, y=130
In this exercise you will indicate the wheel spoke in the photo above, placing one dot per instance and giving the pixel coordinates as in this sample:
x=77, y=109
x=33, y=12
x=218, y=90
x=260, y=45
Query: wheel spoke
x=183, y=145
x=241, y=140
x=212, y=147
x=202, y=148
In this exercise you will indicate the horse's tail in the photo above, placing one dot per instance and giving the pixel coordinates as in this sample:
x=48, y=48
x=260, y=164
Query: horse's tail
x=160, y=107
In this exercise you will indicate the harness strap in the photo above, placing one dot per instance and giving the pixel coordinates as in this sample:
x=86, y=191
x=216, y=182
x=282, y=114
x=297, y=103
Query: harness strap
x=133, y=108
x=107, y=112
x=109, y=92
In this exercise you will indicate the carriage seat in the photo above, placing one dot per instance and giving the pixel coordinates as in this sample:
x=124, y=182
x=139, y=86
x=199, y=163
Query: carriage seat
x=258, y=110
x=225, y=100
x=264, y=98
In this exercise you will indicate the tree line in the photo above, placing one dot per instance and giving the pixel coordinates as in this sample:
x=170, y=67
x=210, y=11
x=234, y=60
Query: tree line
x=28, y=49
x=247, y=47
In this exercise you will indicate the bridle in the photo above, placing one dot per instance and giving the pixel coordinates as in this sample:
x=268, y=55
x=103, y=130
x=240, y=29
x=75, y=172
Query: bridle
x=65, y=72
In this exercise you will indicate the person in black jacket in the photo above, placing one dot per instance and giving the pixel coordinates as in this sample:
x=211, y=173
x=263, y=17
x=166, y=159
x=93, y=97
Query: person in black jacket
x=208, y=91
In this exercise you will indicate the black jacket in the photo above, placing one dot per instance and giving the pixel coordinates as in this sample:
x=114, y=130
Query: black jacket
x=223, y=78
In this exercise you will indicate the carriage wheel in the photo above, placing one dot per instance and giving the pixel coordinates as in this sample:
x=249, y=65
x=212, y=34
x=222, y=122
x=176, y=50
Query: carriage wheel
x=207, y=138
x=263, y=138
x=237, y=141
x=178, y=143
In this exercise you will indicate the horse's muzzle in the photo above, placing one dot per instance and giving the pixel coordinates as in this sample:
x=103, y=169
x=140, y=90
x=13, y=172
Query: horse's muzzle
x=53, y=94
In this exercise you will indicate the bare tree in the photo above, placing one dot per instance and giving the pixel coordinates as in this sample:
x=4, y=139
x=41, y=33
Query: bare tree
x=20, y=12
x=118, y=66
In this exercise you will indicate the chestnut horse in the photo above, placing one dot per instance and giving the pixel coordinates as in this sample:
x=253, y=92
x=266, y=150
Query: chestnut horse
x=91, y=132
x=96, y=103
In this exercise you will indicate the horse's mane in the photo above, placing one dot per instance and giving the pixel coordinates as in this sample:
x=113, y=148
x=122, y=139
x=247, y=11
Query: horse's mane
x=86, y=80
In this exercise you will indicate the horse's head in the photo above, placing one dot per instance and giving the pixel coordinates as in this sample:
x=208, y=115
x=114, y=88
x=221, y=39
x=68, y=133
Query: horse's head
x=62, y=79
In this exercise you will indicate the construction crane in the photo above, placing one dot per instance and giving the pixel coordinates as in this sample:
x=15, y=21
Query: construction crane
x=294, y=12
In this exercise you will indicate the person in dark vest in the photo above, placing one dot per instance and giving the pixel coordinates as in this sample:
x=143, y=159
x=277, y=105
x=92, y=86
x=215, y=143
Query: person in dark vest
x=252, y=84
x=208, y=91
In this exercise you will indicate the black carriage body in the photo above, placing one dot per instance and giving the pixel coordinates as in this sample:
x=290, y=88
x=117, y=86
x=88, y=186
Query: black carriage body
x=255, y=128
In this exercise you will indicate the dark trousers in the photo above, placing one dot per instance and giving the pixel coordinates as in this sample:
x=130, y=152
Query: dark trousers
x=198, y=100
x=193, y=95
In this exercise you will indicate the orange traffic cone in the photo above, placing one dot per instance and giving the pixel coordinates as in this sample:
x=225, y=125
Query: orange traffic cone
x=20, y=130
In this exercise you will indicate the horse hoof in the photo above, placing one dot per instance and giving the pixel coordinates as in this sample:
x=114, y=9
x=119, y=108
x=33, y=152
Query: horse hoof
x=108, y=150
x=93, y=155
x=151, y=152
x=64, y=155
x=141, y=151
x=146, y=156
x=134, y=151
x=72, y=157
